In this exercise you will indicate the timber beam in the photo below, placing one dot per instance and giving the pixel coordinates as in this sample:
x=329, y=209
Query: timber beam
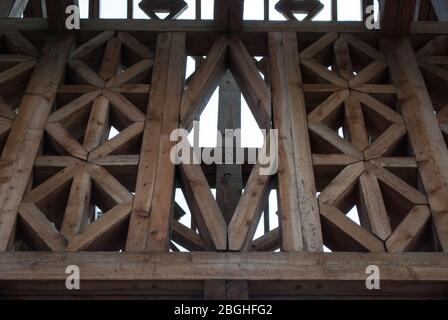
x=182, y=275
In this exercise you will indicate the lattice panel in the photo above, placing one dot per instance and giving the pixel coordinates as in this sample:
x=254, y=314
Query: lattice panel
x=103, y=181
x=362, y=158
x=80, y=196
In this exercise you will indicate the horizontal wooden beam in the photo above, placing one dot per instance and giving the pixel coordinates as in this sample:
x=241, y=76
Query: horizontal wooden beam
x=419, y=267
x=40, y=24
x=190, y=25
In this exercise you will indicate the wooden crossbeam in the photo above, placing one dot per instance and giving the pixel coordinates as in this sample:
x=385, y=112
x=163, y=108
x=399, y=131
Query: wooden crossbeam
x=225, y=266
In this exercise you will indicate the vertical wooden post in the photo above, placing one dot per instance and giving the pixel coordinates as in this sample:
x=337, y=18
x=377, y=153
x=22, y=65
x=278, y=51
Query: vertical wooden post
x=424, y=132
x=299, y=212
x=149, y=229
x=130, y=9
x=23, y=143
x=94, y=9
x=229, y=179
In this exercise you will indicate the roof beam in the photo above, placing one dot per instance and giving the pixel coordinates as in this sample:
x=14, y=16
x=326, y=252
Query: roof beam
x=397, y=16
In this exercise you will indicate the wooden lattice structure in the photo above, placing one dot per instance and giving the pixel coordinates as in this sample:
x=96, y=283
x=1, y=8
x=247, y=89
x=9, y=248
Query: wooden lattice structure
x=362, y=117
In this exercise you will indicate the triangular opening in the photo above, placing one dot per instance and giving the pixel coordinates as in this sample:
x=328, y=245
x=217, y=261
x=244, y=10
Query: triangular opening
x=54, y=203
x=268, y=226
x=397, y=206
x=321, y=146
x=161, y=14
x=325, y=173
